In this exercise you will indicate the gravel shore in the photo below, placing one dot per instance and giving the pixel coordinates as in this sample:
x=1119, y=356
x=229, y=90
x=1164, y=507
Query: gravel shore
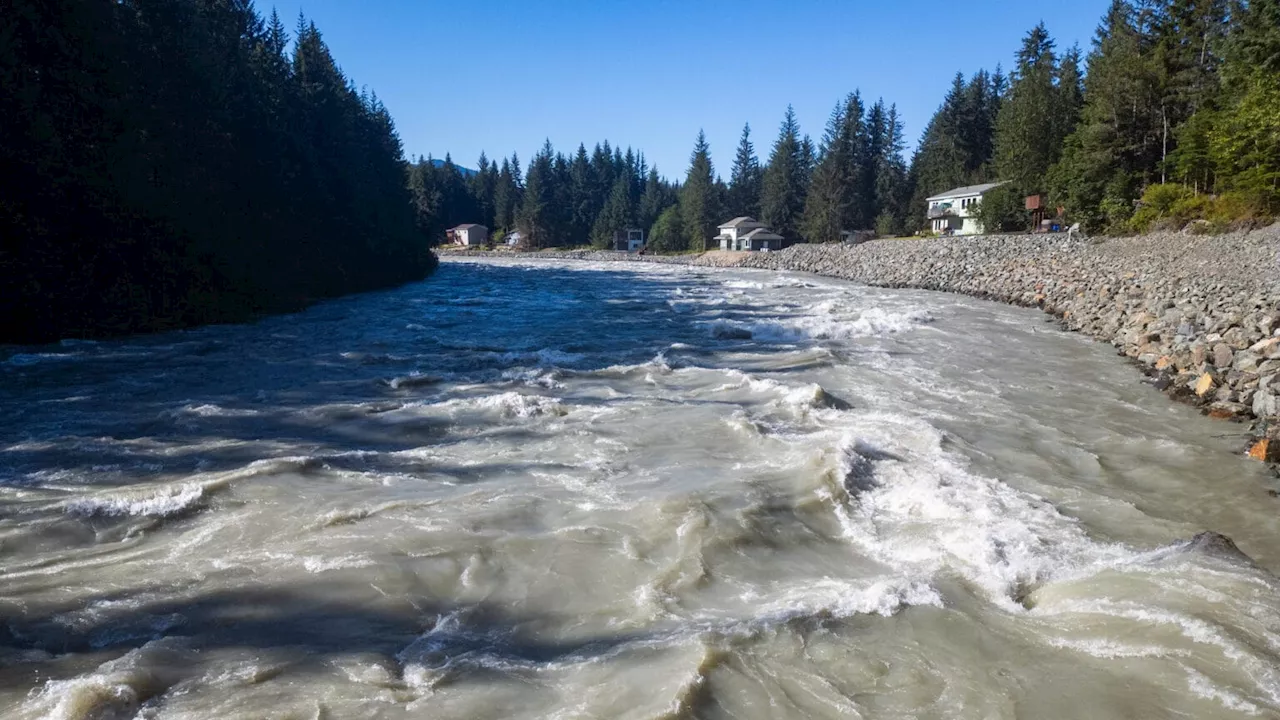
x=1199, y=314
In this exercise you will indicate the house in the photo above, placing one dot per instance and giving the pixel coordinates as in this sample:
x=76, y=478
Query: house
x=468, y=235
x=745, y=233
x=954, y=212
x=629, y=240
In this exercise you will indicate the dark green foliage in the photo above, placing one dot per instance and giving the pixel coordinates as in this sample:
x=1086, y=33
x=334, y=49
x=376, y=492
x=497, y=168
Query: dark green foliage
x=167, y=165
x=535, y=218
x=618, y=213
x=699, y=207
x=837, y=198
x=1035, y=116
x=667, y=233
x=957, y=145
x=892, y=190
x=1003, y=210
x=782, y=196
x=745, y=179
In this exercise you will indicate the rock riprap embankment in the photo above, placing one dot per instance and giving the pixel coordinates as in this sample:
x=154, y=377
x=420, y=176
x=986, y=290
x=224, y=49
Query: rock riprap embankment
x=1200, y=314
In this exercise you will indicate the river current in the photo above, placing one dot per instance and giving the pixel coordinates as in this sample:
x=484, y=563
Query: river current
x=541, y=490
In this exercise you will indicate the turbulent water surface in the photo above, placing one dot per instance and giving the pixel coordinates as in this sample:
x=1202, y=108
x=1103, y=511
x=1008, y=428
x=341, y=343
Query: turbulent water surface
x=581, y=491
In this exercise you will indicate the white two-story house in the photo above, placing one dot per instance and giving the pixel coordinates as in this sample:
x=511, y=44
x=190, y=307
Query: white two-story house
x=954, y=212
x=745, y=233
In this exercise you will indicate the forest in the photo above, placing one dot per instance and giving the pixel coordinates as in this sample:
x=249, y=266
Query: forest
x=177, y=162
x=1172, y=117
x=170, y=163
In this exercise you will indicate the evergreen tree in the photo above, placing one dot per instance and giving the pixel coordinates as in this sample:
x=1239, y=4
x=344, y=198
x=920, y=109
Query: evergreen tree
x=534, y=218
x=782, y=193
x=667, y=235
x=1029, y=134
x=174, y=166
x=581, y=183
x=617, y=214
x=891, y=188
x=1114, y=149
x=841, y=192
x=943, y=159
x=698, y=197
x=744, y=180
x=506, y=198
x=653, y=200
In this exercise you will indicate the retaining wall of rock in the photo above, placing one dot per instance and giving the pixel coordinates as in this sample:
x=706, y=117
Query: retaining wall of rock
x=1200, y=314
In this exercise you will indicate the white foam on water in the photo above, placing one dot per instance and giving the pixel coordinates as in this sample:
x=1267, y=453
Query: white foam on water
x=823, y=324
x=153, y=502
x=843, y=598
x=116, y=688
x=214, y=410
x=507, y=405
x=924, y=514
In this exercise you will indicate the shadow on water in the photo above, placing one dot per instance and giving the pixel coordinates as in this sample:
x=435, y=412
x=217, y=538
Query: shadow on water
x=321, y=381
x=305, y=624
x=86, y=417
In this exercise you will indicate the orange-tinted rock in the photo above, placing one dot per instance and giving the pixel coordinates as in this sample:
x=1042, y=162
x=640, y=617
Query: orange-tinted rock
x=1265, y=450
x=1204, y=384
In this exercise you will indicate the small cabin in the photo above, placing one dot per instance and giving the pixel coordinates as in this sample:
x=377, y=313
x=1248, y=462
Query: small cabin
x=468, y=235
x=629, y=240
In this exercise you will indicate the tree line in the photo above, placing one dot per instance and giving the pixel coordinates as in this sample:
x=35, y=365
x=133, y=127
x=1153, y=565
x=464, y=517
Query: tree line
x=560, y=201
x=177, y=162
x=854, y=178
x=1174, y=118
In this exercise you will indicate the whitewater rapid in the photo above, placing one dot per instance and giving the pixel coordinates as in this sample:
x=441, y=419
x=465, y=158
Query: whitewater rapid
x=544, y=490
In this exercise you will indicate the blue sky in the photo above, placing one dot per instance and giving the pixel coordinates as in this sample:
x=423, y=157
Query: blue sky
x=472, y=75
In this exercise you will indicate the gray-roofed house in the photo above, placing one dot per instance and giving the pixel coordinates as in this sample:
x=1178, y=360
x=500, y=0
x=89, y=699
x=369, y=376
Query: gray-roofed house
x=746, y=233
x=954, y=212
x=468, y=235
x=760, y=239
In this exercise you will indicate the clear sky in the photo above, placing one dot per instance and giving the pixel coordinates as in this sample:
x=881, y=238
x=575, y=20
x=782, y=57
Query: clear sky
x=502, y=76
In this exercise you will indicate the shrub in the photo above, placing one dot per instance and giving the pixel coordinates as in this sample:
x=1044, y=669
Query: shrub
x=1116, y=214
x=1157, y=204
x=1196, y=207
x=1002, y=210
x=1235, y=210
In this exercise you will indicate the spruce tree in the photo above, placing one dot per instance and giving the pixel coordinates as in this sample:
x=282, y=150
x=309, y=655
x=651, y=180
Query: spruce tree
x=618, y=214
x=782, y=195
x=1114, y=150
x=744, y=180
x=698, y=208
x=891, y=188
x=1029, y=134
x=534, y=217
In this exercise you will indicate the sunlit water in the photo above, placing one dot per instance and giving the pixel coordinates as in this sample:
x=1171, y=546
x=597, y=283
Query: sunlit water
x=608, y=491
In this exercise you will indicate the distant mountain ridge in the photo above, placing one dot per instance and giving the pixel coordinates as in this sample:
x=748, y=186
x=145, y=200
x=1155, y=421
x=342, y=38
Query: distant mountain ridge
x=466, y=172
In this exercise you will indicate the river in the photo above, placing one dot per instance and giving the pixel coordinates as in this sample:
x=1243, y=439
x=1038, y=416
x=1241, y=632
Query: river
x=569, y=490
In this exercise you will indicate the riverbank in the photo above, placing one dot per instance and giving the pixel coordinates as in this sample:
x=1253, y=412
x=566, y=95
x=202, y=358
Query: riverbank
x=1200, y=315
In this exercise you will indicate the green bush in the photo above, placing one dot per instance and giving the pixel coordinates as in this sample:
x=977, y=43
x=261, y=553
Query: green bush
x=1003, y=210
x=1241, y=209
x=1155, y=209
x=1173, y=207
x=1196, y=207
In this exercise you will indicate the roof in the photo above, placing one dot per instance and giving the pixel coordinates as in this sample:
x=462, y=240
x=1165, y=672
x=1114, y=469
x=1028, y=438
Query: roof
x=762, y=234
x=468, y=226
x=740, y=221
x=965, y=191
